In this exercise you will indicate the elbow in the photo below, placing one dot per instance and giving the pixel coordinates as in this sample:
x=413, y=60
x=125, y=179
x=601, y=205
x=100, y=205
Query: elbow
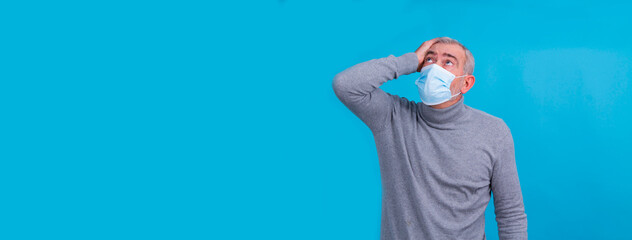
x=340, y=84
x=511, y=217
x=513, y=227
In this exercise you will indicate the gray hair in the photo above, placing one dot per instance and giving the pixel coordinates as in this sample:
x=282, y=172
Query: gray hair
x=468, y=68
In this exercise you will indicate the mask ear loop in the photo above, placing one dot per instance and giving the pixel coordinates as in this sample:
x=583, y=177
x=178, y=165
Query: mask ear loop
x=459, y=91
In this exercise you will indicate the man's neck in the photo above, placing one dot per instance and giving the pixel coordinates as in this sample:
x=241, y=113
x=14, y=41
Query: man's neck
x=448, y=103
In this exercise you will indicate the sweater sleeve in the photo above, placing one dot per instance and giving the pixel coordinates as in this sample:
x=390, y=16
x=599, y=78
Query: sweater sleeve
x=358, y=89
x=508, y=204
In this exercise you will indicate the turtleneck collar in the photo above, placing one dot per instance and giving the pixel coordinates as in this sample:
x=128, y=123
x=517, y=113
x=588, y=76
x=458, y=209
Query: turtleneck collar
x=444, y=117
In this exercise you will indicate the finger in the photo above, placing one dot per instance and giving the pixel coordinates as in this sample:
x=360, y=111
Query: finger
x=432, y=41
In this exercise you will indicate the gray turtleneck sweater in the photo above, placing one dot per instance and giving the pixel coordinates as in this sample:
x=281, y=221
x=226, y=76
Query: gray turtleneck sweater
x=438, y=166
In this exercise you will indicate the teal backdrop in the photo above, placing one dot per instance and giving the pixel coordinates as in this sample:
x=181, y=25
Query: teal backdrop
x=217, y=119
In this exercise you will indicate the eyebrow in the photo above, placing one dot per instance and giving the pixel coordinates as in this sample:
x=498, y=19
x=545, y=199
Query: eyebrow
x=444, y=54
x=450, y=55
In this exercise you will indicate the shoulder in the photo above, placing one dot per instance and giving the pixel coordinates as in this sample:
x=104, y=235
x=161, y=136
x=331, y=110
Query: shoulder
x=489, y=125
x=497, y=135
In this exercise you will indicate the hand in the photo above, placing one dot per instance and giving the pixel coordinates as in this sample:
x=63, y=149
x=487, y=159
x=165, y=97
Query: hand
x=421, y=51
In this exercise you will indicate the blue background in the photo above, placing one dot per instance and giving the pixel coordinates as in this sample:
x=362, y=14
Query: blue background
x=217, y=120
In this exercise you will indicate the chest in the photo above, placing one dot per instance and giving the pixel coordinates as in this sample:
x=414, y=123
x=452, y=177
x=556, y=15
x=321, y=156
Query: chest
x=455, y=155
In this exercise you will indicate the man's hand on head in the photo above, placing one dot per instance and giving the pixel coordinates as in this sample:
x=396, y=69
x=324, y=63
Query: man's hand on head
x=421, y=51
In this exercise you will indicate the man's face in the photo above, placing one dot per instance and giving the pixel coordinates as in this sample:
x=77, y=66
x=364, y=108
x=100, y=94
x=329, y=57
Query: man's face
x=448, y=56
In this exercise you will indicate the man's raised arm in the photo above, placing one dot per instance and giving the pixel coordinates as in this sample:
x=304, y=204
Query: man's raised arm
x=357, y=87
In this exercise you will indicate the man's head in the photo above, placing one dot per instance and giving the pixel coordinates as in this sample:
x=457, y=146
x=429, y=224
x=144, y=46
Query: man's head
x=456, y=51
x=457, y=59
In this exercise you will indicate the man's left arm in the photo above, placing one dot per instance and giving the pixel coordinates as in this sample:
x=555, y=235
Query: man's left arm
x=508, y=204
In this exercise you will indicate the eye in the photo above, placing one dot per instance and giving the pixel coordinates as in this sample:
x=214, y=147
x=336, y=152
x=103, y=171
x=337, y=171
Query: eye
x=449, y=63
x=429, y=59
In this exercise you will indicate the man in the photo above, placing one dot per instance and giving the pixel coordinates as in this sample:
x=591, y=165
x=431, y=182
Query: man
x=440, y=160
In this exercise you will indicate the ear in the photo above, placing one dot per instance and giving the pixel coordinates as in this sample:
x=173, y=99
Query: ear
x=468, y=83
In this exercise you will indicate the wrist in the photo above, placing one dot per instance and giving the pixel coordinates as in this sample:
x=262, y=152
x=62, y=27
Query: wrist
x=419, y=62
x=408, y=63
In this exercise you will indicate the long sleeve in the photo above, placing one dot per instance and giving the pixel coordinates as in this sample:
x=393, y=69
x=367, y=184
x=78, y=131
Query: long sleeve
x=508, y=203
x=357, y=87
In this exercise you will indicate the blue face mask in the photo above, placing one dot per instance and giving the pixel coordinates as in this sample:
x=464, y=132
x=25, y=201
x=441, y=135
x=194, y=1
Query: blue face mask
x=434, y=85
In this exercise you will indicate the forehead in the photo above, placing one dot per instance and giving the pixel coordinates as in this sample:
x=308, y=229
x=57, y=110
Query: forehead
x=452, y=49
